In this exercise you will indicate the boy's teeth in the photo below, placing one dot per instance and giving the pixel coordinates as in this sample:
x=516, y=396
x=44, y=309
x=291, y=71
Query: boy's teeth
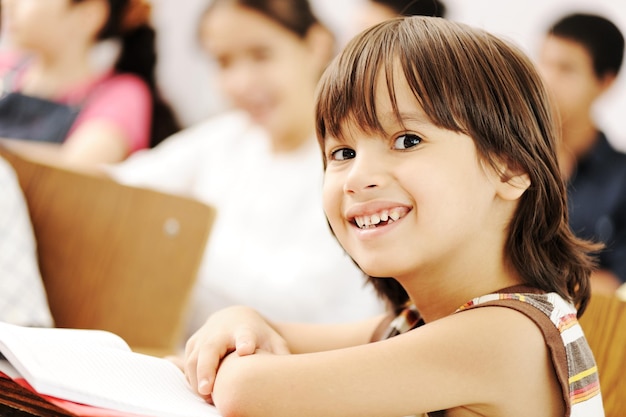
x=364, y=222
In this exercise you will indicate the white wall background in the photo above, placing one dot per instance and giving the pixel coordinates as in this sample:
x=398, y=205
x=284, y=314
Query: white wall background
x=185, y=74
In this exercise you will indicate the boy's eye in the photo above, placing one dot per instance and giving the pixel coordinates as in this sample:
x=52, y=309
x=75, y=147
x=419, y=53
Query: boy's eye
x=342, y=154
x=406, y=141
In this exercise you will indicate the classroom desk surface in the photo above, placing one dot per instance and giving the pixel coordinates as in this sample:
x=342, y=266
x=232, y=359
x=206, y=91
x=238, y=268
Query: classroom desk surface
x=16, y=401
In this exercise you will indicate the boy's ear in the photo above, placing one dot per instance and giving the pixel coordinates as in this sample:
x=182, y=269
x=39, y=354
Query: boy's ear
x=512, y=182
x=515, y=186
x=607, y=81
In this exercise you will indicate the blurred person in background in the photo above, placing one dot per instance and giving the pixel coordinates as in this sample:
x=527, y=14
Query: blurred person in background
x=260, y=166
x=580, y=59
x=375, y=11
x=71, y=110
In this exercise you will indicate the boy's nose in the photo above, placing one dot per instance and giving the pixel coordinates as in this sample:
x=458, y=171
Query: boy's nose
x=366, y=173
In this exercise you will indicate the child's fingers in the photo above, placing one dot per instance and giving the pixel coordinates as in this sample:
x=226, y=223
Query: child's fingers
x=201, y=363
x=206, y=365
x=190, y=368
x=245, y=341
x=279, y=346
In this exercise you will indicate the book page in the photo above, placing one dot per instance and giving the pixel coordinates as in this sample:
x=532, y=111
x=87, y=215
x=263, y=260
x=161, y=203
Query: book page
x=56, y=362
x=8, y=369
x=31, y=342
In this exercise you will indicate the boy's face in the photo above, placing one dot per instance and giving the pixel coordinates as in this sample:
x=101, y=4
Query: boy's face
x=415, y=197
x=567, y=69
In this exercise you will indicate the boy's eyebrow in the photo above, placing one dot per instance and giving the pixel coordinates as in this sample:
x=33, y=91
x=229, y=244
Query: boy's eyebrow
x=416, y=117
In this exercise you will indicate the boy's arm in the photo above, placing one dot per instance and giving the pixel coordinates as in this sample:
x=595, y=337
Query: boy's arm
x=489, y=361
x=244, y=331
x=309, y=338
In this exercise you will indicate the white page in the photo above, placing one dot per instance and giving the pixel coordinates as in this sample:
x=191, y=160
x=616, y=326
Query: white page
x=8, y=369
x=60, y=363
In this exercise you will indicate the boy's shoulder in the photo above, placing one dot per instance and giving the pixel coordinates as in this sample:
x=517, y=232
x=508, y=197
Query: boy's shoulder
x=570, y=353
x=493, y=356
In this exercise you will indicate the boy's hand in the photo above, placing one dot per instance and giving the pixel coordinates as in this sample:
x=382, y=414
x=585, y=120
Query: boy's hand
x=234, y=329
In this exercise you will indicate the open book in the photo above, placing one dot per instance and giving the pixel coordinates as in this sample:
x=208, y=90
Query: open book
x=98, y=368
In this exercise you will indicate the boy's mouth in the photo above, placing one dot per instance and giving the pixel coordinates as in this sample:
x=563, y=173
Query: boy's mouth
x=380, y=218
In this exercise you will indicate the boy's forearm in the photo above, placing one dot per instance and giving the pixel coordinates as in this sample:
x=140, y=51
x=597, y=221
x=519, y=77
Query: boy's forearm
x=307, y=337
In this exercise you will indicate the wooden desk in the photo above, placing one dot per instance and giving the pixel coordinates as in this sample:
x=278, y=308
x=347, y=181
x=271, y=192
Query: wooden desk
x=17, y=401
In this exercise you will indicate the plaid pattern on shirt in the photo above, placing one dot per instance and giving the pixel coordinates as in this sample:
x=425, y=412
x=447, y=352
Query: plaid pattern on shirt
x=22, y=295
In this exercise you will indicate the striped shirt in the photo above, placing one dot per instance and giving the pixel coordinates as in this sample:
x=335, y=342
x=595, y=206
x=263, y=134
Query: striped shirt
x=571, y=355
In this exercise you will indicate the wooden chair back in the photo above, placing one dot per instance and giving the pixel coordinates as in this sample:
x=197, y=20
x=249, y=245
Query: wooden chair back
x=114, y=257
x=604, y=324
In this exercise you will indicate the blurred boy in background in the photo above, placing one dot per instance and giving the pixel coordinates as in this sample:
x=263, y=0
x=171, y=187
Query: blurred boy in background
x=580, y=60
